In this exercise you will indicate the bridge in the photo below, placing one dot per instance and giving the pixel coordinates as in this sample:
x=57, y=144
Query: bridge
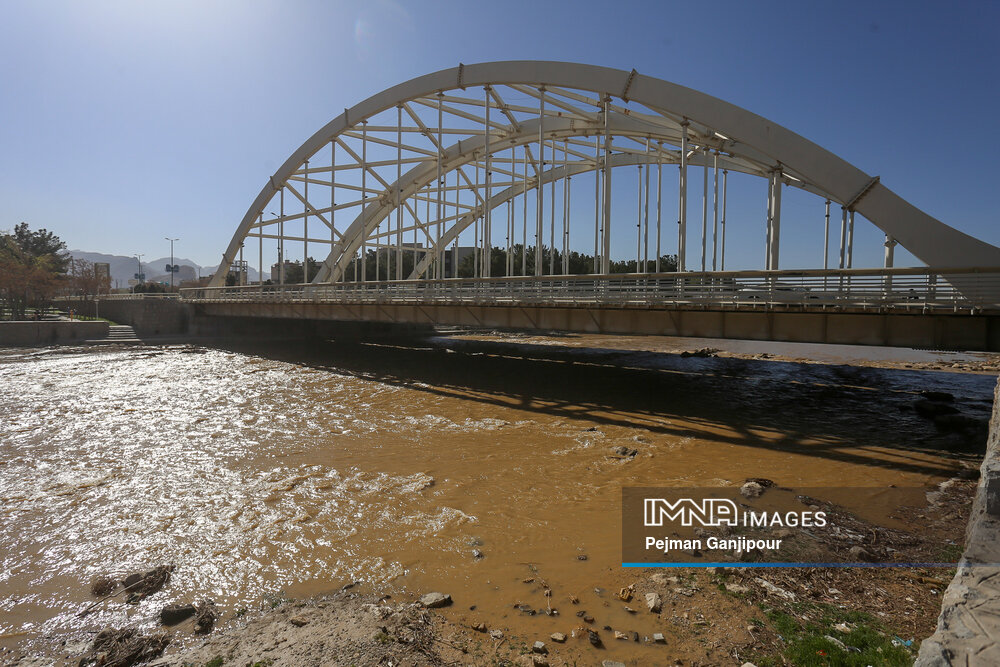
x=450, y=199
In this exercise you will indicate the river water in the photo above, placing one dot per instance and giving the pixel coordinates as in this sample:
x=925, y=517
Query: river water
x=262, y=471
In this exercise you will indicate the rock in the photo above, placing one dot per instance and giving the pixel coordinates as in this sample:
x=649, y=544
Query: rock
x=621, y=635
x=496, y=634
x=665, y=579
x=476, y=553
x=539, y=647
x=630, y=610
x=836, y=642
x=861, y=555
x=634, y=635
x=558, y=637
x=842, y=627
x=539, y=661
x=582, y=557
x=435, y=600
x=588, y=618
x=775, y=590
x=751, y=490
x=299, y=620
x=625, y=451
x=659, y=638
x=173, y=614
x=612, y=663
x=737, y=588
x=763, y=481
x=653, y=602
x=479, y=627
x=205, y=618
x=748, y=664
x=595, y=639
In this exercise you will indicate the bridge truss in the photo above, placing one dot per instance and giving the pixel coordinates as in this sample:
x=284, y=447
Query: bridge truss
x=496, y=155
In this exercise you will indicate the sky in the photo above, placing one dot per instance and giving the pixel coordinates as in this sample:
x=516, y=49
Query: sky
x=124, y=122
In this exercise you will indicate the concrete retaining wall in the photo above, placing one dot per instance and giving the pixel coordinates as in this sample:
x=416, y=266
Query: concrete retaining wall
x=148, y=317
x=968, y=631
x=24, y=334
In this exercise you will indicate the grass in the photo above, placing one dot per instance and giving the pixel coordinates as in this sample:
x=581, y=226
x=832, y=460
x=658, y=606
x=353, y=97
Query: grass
x=214, y=662
x=806, y=645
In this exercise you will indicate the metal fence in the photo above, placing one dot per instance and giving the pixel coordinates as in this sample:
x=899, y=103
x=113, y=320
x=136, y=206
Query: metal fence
x=910, y=289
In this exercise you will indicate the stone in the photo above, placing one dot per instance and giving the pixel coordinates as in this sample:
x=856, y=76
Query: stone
x=594, y=638
x=588, y=619
x=173, y=614
x=659, y=638
x=435, y=600
x=476, y=553
x=298, y=621
x=836, y=642
x=496, y=634
x=558, y=637
x=539, y=661
x=775, y=590
x=860, y=554
x=748, y=664
x=581, y=557
x=653, y=602
x=737, y=588
x=625, y=451
x=634, y=635
x=612, y=663
x=479, y=627
x=623, y=636
x=539, y=647
x=751, y=490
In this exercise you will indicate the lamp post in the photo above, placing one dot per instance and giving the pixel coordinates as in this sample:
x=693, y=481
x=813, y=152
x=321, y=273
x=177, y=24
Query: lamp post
x=171, y=260
x=138, y=258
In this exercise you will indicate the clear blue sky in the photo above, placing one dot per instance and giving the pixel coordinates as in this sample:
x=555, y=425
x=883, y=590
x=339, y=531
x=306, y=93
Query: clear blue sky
x=122, y=122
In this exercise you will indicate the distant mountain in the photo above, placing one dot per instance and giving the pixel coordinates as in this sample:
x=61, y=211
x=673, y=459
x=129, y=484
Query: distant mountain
x=124, y=268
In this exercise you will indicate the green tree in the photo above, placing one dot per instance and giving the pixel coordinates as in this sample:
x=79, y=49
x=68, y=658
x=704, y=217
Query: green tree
x=31, y=267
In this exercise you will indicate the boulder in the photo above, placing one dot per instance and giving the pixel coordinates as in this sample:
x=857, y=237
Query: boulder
x=435, y=600
x=173, y=614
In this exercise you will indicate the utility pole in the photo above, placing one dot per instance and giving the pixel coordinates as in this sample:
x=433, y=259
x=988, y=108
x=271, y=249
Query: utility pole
x=172, y=260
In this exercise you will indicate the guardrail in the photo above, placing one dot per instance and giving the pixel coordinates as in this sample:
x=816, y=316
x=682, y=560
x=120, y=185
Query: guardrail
x=120, y=297
x=909, y=289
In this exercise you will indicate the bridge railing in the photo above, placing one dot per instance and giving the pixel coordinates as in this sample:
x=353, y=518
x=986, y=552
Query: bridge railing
x=919, y=289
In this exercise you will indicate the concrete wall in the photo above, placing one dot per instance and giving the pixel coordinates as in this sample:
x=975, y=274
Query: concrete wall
x=936, y=331
x=148, y=317
x=23, y=334
x=968, y=630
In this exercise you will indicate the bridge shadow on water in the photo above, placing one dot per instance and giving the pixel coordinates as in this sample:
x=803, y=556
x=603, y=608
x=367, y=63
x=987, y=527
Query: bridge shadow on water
x=851, y=414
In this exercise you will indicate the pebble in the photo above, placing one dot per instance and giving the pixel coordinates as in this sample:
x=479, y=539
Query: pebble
x=595, y=639
x=298, y=621
x=496, y=634
x=582, y=557
x=621, y=635
x=558, y=637
x=479, y=627
x=435, y=600
x=539, y=647
x=539, y=661
x=659, y=638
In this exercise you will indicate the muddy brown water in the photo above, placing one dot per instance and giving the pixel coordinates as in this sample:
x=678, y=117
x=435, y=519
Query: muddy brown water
x=262, y=471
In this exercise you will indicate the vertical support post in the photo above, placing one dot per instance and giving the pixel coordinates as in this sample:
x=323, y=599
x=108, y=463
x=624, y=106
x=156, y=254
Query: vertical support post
x=566, y=199
x=399, y=192
x=638, y=223
x=281, y=237
x=715, y=211
x=704, y=208
x=606, y=215
x=645, y=218
x=364, y=200
x=776, y=223
x=454, y=245
x=659, y=201
x=890, y=247
x=552, y=213
x=305, y=227
x=826, y=237
x=260, y=250
x=725, y=190
x=770, y=220
x=539, y=190
x=524, y=217
x=439, y=260
x=850, y=242
x=333, y=197
x=475, y=231
x=597, y=201
x=843, y=234
x=488, y=218
x=682, y=202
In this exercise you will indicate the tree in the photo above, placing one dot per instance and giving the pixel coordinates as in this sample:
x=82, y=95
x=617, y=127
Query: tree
x=40, y=244
x=26, y=280
x=85, y=280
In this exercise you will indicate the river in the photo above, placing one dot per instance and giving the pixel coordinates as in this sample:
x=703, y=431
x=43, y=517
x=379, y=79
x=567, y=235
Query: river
x=263, y=471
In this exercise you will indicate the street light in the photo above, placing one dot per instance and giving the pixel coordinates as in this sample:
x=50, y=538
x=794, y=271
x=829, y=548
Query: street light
x=138, y=276
x=171, y=260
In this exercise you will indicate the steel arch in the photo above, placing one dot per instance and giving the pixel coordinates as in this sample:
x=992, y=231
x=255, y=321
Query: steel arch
x=751, y=142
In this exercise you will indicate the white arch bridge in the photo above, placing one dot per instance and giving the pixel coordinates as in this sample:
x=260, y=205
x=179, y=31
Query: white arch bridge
x=490, y=186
